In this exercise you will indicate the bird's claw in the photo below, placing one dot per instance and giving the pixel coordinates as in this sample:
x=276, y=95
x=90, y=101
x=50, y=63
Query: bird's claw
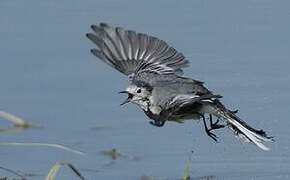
x=211, y=135
x=215, y=125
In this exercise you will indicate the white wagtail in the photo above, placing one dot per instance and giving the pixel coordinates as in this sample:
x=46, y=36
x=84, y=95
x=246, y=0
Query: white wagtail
x=157, y=86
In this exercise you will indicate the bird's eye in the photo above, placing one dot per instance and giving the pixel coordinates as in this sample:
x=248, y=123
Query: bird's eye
x=138, y=90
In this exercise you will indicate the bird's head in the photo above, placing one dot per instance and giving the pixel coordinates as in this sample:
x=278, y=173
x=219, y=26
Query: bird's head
x=138, y=94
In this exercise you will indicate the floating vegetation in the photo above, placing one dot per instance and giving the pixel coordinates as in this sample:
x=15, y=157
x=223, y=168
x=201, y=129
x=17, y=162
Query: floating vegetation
x=20, y=176
x=186, y=175
x=19, y=124
x=12, y=130
x=58, y=146
x=56, y=167
x=17, y=121
x=113, y=153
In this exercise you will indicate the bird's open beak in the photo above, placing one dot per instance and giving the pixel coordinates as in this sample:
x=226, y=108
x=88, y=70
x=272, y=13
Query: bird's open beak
x=130, y=96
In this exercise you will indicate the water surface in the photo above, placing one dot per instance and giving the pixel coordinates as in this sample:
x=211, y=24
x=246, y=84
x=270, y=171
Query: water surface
x=241, y=49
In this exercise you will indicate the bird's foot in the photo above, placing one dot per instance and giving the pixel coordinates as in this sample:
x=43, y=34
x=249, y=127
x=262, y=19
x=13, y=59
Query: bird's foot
x=157, y=123
x=215, y=125
x=211, y=134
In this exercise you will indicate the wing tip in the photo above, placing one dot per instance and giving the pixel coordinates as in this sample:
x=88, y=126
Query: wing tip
x=95, y=52
x=93, y=27
x=104, y=25
x=90, y=35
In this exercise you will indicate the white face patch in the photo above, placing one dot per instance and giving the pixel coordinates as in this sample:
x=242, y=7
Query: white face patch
x=140, y=96
x=131, y=89
x=140, y=92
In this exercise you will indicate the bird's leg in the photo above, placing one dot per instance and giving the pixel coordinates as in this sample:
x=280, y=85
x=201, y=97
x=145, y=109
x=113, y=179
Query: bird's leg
x=215, y=125
x=157, y=123
x=208, y=131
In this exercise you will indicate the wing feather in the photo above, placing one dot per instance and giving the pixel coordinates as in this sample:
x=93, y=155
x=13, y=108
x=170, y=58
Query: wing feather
x=131, y=53
x=183, y=100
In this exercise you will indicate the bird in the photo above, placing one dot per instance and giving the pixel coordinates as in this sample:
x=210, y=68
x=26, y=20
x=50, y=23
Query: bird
x=158, y=86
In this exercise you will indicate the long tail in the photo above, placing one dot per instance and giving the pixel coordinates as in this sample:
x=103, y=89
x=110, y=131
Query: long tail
x=240, y=127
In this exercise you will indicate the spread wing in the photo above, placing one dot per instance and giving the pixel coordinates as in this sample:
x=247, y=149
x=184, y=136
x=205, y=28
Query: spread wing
x=132, y=53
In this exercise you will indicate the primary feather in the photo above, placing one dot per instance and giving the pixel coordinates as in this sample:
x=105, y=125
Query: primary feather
x=132, y=53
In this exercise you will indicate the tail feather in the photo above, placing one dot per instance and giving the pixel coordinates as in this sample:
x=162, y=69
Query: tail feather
x=258, y=137
x=240, y=127
x=261, y=133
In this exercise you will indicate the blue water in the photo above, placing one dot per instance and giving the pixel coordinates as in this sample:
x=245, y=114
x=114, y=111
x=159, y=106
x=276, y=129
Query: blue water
x=241, y=49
